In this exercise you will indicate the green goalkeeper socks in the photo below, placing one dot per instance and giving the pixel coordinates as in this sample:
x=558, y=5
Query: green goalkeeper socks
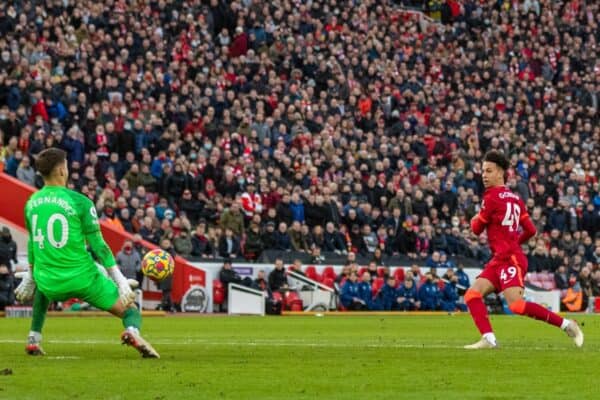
x=132, y=318
x=40, y=307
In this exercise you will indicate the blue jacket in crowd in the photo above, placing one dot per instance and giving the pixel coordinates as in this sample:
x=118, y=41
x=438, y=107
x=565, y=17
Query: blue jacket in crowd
x=409, y=294
x=366, y=295
x=450, y=298
x=387, y=297
x=350, y=290
x=429, y=295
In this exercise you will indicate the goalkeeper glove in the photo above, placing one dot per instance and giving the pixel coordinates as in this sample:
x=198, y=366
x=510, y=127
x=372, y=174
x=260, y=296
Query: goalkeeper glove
x=24, y=292
x=125, y=293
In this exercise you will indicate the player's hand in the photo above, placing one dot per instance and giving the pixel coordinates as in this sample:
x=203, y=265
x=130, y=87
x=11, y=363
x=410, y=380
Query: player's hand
x=126, y=295
x=24, y=292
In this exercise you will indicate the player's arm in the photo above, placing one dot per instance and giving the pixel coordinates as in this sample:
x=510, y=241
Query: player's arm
x=529, y=229
x=26, y=289
x=104, y=255
x=483, y=217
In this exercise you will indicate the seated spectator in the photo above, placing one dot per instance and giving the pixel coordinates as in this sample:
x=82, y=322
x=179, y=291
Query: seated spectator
x=260, y=283
x=229, y=245
x=296, y=238
x=365, y=293
x=228, y=275
x=333, y=240
x=268, y=236
x=277, y=277
x=297, y=267
x=25, y=172
x=407, y=295
x=233, y=219
x=253, y=246
x=450, y=297
x=201, y=245
x=434, y=260
x=372, y=269
x=350, y=297
x=343, y=275
x=8, y=248
x=429, y=294
x=573, y=300
x=7, y=287
x=183, y=244
x=561, y=278
x=387, y=297
x=282, y=238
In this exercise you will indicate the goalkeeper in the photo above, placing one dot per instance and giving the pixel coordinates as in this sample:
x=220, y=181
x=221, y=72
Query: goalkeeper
x=60, y=222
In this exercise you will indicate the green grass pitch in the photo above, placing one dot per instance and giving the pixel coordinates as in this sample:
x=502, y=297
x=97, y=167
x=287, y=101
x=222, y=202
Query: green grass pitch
x=331, y=357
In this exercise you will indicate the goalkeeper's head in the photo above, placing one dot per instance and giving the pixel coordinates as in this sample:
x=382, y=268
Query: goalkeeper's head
x=52, y=165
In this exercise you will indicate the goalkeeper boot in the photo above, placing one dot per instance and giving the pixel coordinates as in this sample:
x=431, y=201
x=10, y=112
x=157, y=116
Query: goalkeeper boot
x=34, y=347
x=132, y=337
x=574, y=331
x=483, y=343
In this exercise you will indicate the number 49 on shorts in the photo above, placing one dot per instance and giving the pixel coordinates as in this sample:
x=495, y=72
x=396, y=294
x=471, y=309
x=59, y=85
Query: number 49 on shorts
x=508, y=274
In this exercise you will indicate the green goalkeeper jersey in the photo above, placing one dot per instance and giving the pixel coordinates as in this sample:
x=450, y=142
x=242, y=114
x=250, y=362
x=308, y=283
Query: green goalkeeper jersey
x=61, y=223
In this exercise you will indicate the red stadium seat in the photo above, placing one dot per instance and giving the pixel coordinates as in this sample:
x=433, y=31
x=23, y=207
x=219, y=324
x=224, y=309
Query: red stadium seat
x=329, y=272
x=399, y=274
x=277, y=297
x=381, y=272
x=218, y=292
x=361, y=271
x=377, y=285
x=441, y=284
x=292, y=301
x=328, y=282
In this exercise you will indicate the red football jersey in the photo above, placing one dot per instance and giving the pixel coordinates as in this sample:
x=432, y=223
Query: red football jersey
x=502, y=213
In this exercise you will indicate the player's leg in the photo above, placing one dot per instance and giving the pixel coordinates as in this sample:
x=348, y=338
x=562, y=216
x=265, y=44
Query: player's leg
x=474, y=300
x=518, y=305
x=34, y=339
x=103, y=294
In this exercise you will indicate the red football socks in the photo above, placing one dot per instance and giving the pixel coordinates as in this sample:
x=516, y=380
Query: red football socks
x=478, y=311
x=534, y=310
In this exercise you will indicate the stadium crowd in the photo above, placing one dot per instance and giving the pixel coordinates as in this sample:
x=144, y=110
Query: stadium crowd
x=221, y=129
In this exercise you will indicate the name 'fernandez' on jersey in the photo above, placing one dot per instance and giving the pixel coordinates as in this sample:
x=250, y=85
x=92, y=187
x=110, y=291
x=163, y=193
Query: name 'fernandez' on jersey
x=61, y=222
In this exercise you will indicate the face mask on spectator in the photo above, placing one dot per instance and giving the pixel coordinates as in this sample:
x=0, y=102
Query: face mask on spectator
x=207, y=146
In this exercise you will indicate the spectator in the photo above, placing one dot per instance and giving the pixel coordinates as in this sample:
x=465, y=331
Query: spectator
x=8, y=247
x=333, y=241
x=260, y=282
x=229, y=245
x=233, y=219
x=407, y=296
x=130, y=262
x=365, y=293
x=7, y=287
x=350, y=297
x=561, y=278
x=296, y=239
x=282, y=238
x=228, y=275
x=277, y=277
x=183, y=244
x=201, y=245
x=166, y=284
x=387, y=297
x=254, y=244
x=25, y=172
x=429, y=294
x=450, y=297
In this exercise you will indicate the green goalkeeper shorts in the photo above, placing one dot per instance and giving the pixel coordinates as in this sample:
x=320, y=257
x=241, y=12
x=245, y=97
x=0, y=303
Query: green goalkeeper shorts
x=96, y=289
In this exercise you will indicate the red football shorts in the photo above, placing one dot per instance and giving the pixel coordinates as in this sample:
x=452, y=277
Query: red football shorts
x=506, y=272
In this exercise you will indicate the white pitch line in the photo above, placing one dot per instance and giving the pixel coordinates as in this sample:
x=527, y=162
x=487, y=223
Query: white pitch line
x=266, y=343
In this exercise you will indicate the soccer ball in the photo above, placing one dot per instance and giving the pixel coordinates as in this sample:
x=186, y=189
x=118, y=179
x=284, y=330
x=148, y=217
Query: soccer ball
x=157, y=265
